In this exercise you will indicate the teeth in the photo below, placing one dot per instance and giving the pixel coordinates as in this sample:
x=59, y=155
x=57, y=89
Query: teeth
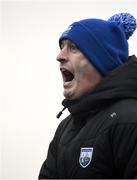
x=63, y=70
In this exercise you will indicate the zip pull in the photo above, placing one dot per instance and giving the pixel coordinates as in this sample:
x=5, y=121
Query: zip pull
x=60, y=113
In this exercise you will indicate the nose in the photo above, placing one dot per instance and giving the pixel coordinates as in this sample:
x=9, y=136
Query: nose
x=62, y=56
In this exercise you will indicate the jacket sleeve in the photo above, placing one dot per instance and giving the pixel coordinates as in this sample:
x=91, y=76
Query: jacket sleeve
x=124, y=145
x=49, y=167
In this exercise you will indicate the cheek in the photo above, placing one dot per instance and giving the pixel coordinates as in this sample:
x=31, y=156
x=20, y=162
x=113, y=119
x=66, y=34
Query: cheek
x=88, y=77
x=80, y=67
x=84, y=72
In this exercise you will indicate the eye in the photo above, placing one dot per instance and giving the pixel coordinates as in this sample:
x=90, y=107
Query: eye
x=73, y=47
x=61, y=45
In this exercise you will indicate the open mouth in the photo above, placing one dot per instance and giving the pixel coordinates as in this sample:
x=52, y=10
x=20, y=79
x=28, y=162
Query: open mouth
x=67, y=75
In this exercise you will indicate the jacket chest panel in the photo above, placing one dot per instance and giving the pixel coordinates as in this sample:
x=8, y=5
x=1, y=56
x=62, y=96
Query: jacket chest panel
x=71, y=158
x=80, y=149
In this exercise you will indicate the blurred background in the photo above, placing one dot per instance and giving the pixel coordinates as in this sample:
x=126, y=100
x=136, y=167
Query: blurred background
x=30, y=81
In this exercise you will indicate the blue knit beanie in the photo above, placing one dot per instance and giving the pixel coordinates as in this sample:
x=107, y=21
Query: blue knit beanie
x=104, y=43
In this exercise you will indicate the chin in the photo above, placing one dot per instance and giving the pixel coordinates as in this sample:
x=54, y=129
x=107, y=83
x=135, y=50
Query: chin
x=68, y=96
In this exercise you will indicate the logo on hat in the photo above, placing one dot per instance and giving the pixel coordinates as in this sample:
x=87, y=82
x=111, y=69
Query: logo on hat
x=67, y=31
x=69, y=28
x=85, y=156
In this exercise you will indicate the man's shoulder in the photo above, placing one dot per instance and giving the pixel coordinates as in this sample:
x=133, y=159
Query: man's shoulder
x=125, y=110
x=129, y=104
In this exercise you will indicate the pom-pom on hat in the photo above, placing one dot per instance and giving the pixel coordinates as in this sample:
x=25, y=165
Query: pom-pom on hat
x=104, y=43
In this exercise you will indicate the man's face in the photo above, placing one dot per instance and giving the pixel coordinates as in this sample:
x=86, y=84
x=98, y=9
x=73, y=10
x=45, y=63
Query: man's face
x=79, y=75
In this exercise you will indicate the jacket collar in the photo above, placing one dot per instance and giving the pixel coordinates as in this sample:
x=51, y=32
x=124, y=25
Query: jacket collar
x=121, y=83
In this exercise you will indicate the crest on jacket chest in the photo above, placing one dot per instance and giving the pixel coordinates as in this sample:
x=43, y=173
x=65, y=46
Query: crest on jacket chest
x=85, y=156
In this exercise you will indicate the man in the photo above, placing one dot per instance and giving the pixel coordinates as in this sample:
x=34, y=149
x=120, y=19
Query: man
x=99, y=137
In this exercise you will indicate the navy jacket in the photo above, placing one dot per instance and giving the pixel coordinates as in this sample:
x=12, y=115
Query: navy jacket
x=99, y=137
